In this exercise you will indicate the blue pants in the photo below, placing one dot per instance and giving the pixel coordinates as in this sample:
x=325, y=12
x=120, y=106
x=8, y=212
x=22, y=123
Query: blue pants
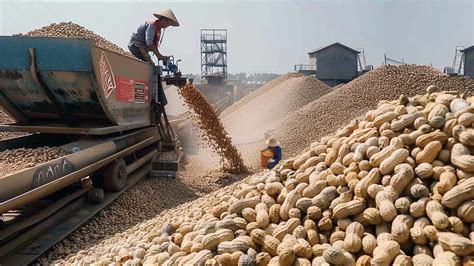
x=271, y=165
x=136, y=52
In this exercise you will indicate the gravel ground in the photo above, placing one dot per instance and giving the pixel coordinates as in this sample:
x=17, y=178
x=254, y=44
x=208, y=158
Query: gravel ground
x=170, y=207
x=322, y=208
x=199, y=175
x=145, y=200
x=335, y=109
x=183, y=199
x=150, y=198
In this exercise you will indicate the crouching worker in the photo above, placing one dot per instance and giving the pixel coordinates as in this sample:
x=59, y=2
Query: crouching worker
x=271, y=156
x=149, y=35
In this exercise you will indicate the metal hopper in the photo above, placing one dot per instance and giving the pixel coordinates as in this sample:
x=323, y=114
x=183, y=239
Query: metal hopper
x=71, y=86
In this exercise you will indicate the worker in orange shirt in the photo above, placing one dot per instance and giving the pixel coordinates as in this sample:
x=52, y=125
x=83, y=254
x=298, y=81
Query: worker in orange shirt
x=274, y=147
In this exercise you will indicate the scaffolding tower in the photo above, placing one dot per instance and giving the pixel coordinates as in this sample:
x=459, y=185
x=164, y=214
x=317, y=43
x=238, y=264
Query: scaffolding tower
x=214, y=56
x=458, y=60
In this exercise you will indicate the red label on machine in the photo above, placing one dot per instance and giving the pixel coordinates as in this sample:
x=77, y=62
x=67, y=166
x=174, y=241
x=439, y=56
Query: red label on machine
x=131, y=91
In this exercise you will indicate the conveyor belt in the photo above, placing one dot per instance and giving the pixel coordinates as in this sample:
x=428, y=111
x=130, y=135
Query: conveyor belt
x=36, y=241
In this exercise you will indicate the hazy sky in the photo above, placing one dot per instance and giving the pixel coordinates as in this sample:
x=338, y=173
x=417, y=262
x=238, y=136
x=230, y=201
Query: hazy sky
x=270, y=36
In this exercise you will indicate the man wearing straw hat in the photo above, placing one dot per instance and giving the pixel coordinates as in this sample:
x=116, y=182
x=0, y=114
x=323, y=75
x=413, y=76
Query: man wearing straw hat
x=148, y=36
x=274, y=147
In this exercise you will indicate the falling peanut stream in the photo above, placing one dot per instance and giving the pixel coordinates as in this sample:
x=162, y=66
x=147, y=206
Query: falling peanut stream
x=214, y=132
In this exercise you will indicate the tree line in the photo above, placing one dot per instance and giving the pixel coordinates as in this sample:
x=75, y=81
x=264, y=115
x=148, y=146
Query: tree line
x=242, y=77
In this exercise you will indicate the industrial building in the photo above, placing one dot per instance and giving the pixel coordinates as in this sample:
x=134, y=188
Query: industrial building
x=334, y=64
x=463, y=63
x=468, y=56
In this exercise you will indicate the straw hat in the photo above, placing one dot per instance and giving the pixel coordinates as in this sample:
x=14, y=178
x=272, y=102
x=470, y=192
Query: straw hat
x=167, y=13
x=272, y=142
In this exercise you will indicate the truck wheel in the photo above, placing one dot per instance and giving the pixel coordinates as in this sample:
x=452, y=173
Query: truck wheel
x=95, y=195
x=115, y=177
x=98, y=179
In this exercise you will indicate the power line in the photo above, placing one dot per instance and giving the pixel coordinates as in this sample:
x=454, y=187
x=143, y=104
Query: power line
x=13, y=18
x=51, y=11
x=37, y=11
x=22, y=13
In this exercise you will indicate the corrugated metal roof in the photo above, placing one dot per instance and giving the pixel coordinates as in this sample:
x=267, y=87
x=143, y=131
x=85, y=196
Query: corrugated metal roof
x=336, y=43
x=467, y=49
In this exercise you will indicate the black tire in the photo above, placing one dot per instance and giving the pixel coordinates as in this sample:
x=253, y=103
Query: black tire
x=98, y=179
x=95, y=195
x=115, y=178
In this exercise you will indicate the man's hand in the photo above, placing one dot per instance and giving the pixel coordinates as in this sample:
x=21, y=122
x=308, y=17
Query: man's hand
x=161, y=57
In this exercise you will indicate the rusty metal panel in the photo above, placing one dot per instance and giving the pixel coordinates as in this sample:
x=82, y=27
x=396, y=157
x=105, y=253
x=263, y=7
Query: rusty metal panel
x=125, y=87
x=20, y=89
x=76, y=92
x=42, y=88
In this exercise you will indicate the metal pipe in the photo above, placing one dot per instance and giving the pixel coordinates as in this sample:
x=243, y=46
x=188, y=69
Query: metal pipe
x=41, y=215
x=33, y=177
x=138, y=163
x=69, y=179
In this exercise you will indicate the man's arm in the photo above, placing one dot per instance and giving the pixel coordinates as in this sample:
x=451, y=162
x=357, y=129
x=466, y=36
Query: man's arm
x=150, y=35
x=153, y=48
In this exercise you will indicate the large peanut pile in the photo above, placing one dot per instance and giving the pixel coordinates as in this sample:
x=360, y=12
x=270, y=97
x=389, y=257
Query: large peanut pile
x=72, y=30
x=394, y=187
x=213, y=132
x=252, y=120
x=159, y=201
x=150, y=199
x=254, y=94
x=337, y=108
x=18, y=159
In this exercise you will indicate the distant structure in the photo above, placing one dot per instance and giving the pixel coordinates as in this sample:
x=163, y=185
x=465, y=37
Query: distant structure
x=457, y=68
x=390, y=61
x=463, y=63
x=468, y=56
x=363, y=67
x=213, y=56
x=306, y=69
x=335, y=64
